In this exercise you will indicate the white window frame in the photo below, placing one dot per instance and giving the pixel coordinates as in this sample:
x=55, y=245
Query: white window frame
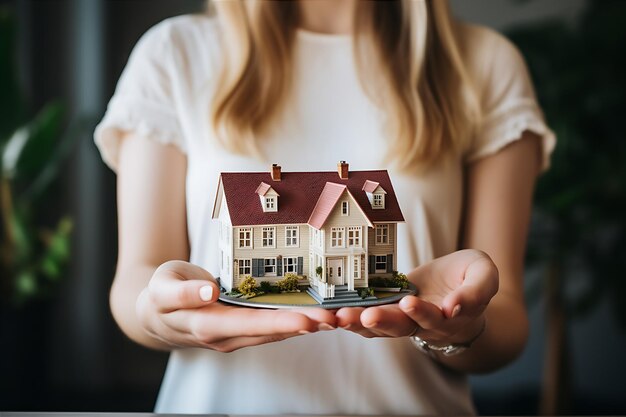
x=268, y=237
x=356, y=264
x=243, y=265
x=380, y=259
x=337, y=237
x=270, y=203
x=290, y=262
x=382, y=234
x=378, y=201
x=292, y=240
x=267, y=262
x=242, y=237
x=345, y=208
x=355, y=239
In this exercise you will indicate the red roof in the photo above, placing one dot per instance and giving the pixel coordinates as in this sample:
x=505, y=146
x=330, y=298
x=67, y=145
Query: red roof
x=299, y=195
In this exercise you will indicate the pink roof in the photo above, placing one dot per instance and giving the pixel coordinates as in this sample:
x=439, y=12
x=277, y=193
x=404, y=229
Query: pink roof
x=299, y=195
x=325, y=204
x=370, y=186
x=263, y=188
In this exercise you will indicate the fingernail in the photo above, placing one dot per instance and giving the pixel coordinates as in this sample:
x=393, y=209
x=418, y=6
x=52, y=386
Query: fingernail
x=325, y=326
x=347, y=327
x=304, y=332
x=456, y=310
x=206, y=293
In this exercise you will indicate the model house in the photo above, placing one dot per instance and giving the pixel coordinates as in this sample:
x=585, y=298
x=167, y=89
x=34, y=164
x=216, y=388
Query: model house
x=333, y=229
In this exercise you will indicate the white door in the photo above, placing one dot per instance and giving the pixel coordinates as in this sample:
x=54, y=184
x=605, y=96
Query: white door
x=335, y=271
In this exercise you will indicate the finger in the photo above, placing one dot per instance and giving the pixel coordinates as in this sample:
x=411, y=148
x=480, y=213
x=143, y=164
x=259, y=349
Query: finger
x=388, y=320
x=217, y=322
x=349, y=318
x=236, y=343
x=479, y=285
x=180, y=285
x=425, y=314
x=325, y=319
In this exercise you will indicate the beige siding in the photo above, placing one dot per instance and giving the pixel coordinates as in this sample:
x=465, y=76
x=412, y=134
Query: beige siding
x=355, y=217
x=258, y=251
x=377, y=249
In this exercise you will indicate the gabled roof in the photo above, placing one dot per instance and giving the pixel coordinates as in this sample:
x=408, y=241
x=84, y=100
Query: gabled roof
x=371, y=186
x=263, y=189
x=300, y=194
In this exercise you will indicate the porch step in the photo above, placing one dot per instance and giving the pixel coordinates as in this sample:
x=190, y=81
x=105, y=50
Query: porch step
x=342, y=295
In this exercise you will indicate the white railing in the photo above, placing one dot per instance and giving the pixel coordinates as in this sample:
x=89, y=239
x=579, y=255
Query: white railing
x=326, y=290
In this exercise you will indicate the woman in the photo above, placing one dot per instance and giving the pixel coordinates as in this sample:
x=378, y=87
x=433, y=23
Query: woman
x=447, y=108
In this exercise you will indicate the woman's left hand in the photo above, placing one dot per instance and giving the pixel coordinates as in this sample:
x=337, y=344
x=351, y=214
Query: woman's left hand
x=453, y=293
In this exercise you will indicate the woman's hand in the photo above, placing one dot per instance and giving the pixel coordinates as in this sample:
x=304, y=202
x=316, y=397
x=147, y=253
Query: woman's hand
x=453, y=292
x=179, y=308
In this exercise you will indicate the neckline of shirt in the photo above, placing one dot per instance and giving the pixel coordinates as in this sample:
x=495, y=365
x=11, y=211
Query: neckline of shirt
x=320, y=37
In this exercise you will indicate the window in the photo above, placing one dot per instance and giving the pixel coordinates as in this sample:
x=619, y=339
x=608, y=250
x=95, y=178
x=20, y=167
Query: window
x=344, y=208
x=379, y=201
x=290, y=265
x=270, y=203
x=382, y=234
x=291, y=235
x=245, y=267
x=268, y=237
x=245, y=237
x=357, y=267
x=354, y=236
x=270, y=266
x=381, y=263
x=336, y=237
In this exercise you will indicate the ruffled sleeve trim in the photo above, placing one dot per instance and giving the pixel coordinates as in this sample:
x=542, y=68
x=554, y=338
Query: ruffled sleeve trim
x=507, y=125
x=140, y=116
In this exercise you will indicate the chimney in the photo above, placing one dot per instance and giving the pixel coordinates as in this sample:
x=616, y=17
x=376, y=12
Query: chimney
x=275, y=172
x=342, y=169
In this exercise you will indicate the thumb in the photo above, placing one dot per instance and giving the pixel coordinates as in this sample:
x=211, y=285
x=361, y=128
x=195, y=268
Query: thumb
x=179, y=285
x=480, y=284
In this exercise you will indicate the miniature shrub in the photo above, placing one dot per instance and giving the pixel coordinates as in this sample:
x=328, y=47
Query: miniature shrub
x=265, y=286
x=400, y=280
x=247, y=286
x=289, y=283
x=366, y=292
x=381, y=282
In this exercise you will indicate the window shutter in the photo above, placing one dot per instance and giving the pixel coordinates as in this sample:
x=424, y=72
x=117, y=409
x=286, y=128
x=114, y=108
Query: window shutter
x=390, y=263
x=372, y=264
x=279, y=267
x=257, y=267
x=300, y=262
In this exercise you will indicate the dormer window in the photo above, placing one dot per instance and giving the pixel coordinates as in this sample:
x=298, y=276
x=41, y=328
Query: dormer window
x=268, y=197
x=378, y=201
x=375, y=194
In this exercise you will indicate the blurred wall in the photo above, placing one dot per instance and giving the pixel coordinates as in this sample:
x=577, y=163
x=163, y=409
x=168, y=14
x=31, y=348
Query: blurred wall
x=76, y=50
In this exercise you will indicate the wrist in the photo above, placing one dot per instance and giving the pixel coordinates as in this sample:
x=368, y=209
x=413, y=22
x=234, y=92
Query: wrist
x=450, y=349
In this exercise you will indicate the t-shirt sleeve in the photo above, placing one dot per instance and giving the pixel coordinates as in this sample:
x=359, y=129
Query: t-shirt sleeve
x=143, y=101
x=508, y=101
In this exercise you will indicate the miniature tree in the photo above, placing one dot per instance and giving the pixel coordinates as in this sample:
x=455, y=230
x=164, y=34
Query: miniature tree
x=289, y=283
x=400, y=280
x=247, y=286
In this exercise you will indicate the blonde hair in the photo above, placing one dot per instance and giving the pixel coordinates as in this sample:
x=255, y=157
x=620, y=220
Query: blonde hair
x=431, y=106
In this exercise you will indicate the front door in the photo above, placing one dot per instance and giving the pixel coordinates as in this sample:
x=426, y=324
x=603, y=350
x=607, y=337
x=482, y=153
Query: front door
x=335, y=271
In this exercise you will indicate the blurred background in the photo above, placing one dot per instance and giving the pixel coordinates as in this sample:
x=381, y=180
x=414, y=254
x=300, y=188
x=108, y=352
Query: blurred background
x=59, y=347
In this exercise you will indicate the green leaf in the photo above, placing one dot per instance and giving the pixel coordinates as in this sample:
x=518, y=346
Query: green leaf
x=42, y=140
x=26, y=284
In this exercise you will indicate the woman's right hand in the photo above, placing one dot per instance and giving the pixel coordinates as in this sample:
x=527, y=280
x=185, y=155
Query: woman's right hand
x=179, y=307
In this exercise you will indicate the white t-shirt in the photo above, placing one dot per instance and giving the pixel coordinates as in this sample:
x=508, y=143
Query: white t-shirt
x=164, y=93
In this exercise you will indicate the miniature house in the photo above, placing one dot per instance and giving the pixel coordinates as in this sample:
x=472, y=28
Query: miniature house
x=275, y=223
